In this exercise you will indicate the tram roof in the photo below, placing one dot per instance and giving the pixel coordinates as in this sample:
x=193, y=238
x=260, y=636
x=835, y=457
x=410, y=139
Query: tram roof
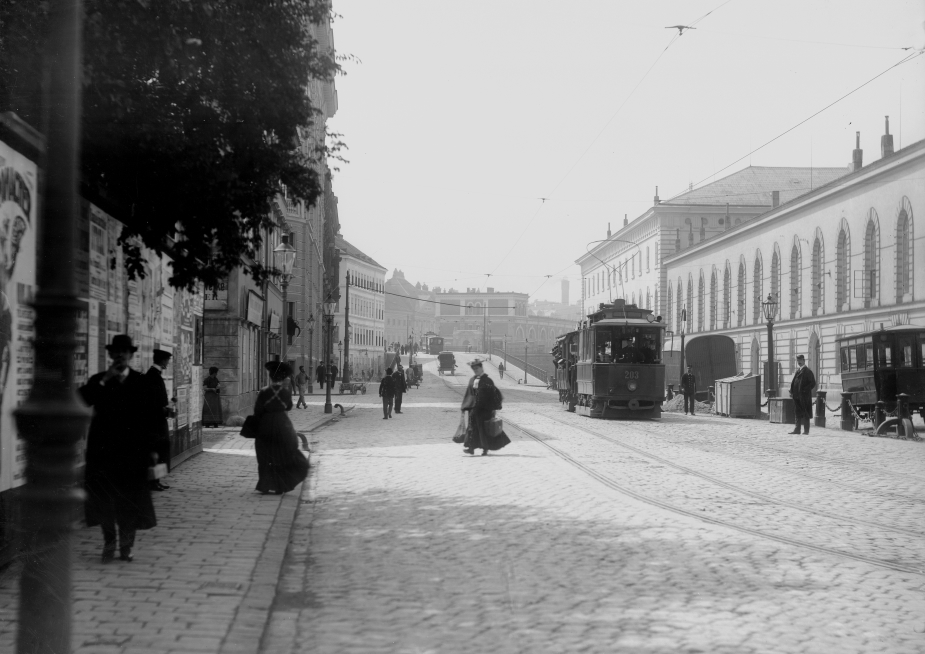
x=623, y=322
x=894, y=329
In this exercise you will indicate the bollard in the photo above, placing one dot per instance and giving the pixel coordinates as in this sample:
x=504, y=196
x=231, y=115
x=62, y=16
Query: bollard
x=879, y=413
x=670, y=391
x=820, y=409
x=847, y=416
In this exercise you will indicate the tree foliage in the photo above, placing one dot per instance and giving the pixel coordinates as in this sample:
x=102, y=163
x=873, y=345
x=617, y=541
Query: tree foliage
x=192, y=112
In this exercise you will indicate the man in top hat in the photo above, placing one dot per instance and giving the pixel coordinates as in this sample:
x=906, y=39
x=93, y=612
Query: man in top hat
x=398, y=377
x=320, y=375
x=801, y=390
x=119, y=451
x=689, y=389
x=161, y=411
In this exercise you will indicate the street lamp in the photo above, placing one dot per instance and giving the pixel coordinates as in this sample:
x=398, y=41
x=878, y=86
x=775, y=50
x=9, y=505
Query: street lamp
x=329, y=318
x=340, y=362
x=311, y=346
x=769, y=307
x=284, y=258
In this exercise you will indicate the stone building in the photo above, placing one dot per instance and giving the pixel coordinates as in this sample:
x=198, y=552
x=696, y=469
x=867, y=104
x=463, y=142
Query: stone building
x=410, y=311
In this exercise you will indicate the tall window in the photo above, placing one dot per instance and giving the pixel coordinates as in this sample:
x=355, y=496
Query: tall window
x=841, y=270
x=679, y=304
x=775, y=276
x=757, y=290
x=817, y=280
x=727, y=297
x=647, y=257
x=904, y=253
x=713, y=300
x=740, y=299
x=690, y=304
x=871, y=280
x=701, y=294
x=668, y=311
x=648, y=298
x=796, y=281
x=656, y=255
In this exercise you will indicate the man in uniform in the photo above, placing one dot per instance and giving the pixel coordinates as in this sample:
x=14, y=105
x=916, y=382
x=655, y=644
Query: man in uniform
x=801, y=390
x=689, y=389
x=400, y=386
x=161, y=410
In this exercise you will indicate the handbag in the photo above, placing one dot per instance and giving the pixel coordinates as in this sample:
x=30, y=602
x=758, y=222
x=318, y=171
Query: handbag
x=157, y=471
x=249, y=428
x=460, y=435
x=494, y=427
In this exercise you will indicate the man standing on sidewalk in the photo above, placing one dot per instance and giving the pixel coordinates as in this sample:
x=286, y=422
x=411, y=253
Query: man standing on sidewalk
x=387, y=393
x=689, y=389
x=161, y=410
x=319, y=375
x=501, y=369
x=398, y=377
x=801, y=390
x=301, y=380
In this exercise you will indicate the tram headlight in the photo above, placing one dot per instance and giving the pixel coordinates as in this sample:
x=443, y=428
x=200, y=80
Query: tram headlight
x=631, y=386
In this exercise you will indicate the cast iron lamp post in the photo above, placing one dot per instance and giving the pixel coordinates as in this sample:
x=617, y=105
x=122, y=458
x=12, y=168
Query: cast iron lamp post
x=329, y=317
x=284, y=258
x=769, y=307
x=340, y=362
x=311, y=358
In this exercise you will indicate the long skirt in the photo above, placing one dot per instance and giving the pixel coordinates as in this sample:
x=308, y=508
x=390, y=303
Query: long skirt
x=211, y=409
x=281, y=466
x=477, y=437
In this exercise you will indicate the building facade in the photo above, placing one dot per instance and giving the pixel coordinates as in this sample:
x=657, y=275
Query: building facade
x=410, y=311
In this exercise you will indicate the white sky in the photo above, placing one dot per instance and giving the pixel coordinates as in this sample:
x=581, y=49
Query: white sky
x=461, y=115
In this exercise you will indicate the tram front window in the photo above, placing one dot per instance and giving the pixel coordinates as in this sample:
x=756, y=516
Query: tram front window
x=627, y=345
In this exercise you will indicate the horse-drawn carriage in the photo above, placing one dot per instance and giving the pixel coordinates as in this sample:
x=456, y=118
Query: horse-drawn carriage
x=446, y=363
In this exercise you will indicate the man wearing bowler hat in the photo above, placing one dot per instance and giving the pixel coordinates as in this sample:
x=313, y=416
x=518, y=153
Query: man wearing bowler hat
x=801, y=390
x=161, y=411
x=119, y=451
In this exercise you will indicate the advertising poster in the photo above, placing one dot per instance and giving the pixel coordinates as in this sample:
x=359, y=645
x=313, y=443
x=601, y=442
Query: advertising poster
x=195, y=396
x=115, y=267
x=182, y=406
x=99, y=249
x=83, y=337
x=216, y=297
x=18, y=185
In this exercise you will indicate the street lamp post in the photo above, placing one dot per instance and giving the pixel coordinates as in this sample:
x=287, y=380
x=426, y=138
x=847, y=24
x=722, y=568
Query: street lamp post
x=329, y=318
x=683, y=333
x=340, y=361
x=769, y=307
x=345, y=373
x=311, y=357
x=284, y=256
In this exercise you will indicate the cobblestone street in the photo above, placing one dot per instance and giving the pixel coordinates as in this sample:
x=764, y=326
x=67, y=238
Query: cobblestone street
x=739, y=538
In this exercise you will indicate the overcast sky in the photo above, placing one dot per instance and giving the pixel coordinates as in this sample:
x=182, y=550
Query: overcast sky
x=460, y=116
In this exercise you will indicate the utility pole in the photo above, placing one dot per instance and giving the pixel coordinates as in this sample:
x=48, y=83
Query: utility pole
x=345, y=374
x=52, y=421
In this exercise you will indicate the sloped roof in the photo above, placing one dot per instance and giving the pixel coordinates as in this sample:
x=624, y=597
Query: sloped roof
x=352, y=251
x=753, y=185
x=404, y=291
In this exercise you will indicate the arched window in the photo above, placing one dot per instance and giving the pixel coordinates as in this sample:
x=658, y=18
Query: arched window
x=703, y=228
x=757, y=289
x=634, y=298
x=727, y=297
x=775, y=276
x=647, y=257
x=713, y=300
x=669, y=314
x=796, y=280
x=871, y=280
x=701, y=294
x=817, y=281
x=842, y=269
x=904, y=260
x=690, y=305
x=740, y=296
x=679, y=305
x=648, y=298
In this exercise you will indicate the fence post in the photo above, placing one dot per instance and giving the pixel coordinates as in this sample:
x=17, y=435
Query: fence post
x=879, y=413
x=847, y=415
x=820, y=409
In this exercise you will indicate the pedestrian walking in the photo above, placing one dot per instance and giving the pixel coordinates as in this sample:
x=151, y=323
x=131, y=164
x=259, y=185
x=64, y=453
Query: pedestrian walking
x=333, y=372
x=301, y=381
x=319, y=375
x=387, y=393
x=212, y=403
x=281, y=466
x=501, y=369
x=119, y=451
x=160, y=412
x=801, y=390
x=689, y=389
x=481, y=400
x=398, y=377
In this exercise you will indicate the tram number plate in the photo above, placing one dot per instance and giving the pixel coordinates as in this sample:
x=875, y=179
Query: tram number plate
x=630, y=374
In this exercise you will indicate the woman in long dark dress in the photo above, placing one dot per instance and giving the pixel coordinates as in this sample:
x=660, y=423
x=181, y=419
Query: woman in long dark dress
x=280, y=464
x=212, y=403
x=479, y=401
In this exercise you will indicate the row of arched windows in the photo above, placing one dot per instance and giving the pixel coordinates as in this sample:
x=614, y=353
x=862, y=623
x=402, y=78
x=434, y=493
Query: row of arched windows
x=716, y=309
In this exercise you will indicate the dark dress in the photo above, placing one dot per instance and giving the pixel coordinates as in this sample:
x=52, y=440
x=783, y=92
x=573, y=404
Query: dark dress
x=118, y=454
x=479, y=401
x=280, y=464
x=160, y=431
x=212, y=402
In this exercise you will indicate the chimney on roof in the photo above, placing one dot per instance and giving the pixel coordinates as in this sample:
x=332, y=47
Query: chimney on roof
x=626, y=220
x=655, y=199
x=857, y=156
x=775, y=199
x=886, y=141
x=608, y=230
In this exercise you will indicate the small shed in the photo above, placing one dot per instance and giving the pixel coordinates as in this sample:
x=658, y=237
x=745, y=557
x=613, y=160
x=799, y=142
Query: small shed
x=739, y=396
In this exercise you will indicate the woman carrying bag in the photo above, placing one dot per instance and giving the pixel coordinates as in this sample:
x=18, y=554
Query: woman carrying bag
x=280, y=465
x=481, y=400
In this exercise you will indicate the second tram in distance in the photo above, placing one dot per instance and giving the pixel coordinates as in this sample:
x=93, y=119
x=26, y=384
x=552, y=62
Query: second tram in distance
x=612, y=366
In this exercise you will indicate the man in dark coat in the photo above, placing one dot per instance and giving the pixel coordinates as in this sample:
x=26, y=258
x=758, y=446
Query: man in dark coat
x=387, y=393
x=161, y=410
x=801, y=390
x=319, y=375
x=398, y=377
x=119, y=451
x=689, y=389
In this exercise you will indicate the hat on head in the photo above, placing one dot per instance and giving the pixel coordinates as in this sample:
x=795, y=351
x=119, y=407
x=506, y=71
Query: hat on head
x=161, y=354
x=800, y=357
x=278, y=369
x=476, y=362
x=121, y=342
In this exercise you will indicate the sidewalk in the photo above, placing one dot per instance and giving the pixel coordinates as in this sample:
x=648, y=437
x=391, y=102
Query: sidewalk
x=202, y=580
